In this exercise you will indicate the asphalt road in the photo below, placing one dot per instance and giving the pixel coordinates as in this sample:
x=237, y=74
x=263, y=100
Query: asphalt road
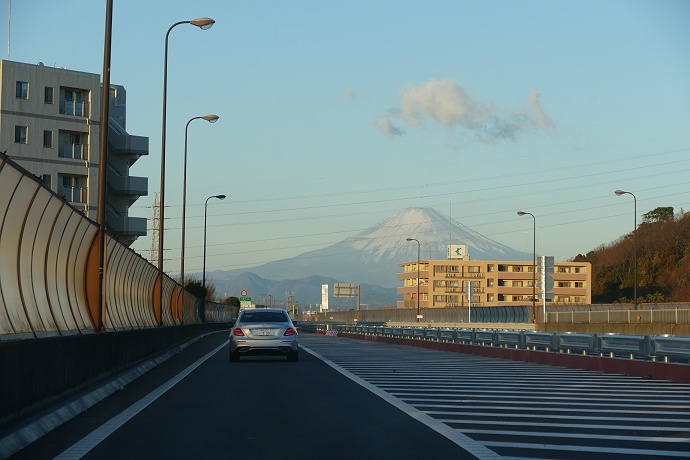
x=259, y=408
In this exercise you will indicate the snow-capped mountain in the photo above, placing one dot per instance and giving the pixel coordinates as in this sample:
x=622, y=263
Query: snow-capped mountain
x=372, y=256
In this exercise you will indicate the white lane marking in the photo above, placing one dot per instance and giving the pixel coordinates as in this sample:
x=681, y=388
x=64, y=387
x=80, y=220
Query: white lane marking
x=471, y=446
x=578, y=448
x=85, y=445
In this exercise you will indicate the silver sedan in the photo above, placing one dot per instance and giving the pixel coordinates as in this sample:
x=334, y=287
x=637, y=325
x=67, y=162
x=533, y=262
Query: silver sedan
x=263, y=331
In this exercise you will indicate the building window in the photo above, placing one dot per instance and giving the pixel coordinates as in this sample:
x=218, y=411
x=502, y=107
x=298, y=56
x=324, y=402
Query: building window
x=563, y=284
x=489, y=297
x=473, y=269
x=20, y=134
x=502, y=268
x=22, y=90
x=48, y=139
x=579, y=284
x=563, y=269
x=517, y=283
x=489, y=283
x=517, y=268
x=47, y=180
x=49, y=95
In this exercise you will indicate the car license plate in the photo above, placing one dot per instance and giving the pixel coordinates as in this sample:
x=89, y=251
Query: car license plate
x=264, y=332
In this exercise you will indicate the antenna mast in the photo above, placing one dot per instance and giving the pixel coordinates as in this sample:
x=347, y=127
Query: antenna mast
x=9, y=22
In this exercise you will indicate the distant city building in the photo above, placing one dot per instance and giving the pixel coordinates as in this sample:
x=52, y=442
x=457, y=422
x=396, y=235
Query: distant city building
x=445, y=283
x=50, y=125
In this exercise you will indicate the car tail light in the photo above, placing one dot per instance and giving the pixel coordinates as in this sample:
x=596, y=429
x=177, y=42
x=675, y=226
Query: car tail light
x=289, y=331
x=237, y=331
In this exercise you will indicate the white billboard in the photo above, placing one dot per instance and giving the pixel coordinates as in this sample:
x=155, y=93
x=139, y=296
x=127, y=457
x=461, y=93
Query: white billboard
x=324, y=297
x=457, y=251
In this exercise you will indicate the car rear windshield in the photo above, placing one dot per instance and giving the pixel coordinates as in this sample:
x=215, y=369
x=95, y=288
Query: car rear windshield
x=264, y=317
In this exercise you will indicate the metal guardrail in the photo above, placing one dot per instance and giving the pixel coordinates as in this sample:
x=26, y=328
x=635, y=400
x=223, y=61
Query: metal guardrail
x=657, y=347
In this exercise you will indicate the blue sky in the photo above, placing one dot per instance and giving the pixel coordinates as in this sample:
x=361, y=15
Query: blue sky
x=335, y=115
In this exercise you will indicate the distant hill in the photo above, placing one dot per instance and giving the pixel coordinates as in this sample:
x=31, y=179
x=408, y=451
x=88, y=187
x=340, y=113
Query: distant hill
x=369, y=259
x=663, y=263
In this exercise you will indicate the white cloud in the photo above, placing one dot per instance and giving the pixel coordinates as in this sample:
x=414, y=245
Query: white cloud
x=448, y=104
x=386, y=126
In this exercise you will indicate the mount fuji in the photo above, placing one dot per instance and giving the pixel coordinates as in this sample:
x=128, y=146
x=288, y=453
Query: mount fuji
x=372, y=256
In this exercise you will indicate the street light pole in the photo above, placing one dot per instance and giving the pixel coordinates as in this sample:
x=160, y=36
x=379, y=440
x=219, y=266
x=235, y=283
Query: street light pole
x=619, y=193
x=210, y=119
x=203, y=280
x=103, y=162
x=419, y=313
x=202, y=23
x=534, y=265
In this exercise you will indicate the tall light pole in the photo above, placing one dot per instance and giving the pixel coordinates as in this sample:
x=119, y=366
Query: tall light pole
x=103, y=160
x=534, y=265
x=419, y=313
x=203, y=280
x=210, y=119
x=202, y=23
x=619, y=193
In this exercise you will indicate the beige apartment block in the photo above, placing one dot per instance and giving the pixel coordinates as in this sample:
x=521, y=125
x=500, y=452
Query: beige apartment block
x=456, y=283
x=50, y=125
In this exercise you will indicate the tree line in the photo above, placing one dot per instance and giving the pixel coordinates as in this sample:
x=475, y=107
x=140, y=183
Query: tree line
x=662, y=247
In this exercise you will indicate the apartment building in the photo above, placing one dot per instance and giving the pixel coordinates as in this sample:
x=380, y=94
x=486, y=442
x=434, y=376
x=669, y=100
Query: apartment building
x=456, y=283
x=50, y=125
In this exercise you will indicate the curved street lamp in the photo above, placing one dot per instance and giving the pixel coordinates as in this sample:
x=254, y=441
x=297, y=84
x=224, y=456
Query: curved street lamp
x=202, y=23
x=203, y=280
x=210, y=119
x=534, y=265
x=619, y=193
x=419, y=313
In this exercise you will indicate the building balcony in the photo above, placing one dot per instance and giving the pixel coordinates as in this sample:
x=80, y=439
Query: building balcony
x=74, y=194
x=74, y=108
x=73, y=151
x=128, y=185
x=122, y=143
x=123, y=225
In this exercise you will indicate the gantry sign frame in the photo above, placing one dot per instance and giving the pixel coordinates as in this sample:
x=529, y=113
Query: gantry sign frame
x=348, y=290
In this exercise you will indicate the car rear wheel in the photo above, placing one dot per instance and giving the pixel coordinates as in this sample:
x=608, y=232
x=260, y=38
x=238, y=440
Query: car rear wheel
x=234, y=357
